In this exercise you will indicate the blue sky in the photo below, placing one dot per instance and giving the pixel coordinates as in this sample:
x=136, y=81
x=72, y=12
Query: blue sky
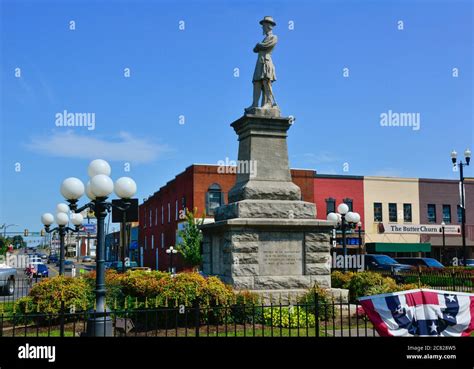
x=190, y=73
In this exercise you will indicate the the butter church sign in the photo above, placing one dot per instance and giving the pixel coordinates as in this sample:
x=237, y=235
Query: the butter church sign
x=419, y=228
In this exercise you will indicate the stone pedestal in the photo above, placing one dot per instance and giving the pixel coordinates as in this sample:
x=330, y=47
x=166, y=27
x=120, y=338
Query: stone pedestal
x=267, y=239
x=268, y=254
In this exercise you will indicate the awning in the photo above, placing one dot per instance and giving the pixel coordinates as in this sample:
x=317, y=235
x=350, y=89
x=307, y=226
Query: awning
x=397, y=247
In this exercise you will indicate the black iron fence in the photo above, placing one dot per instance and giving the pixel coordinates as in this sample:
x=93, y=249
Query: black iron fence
x=448, y=279
x=14, y=288
x=310, y=319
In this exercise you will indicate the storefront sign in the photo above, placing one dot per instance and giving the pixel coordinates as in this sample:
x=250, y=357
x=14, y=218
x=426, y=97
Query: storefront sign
x=419, y=229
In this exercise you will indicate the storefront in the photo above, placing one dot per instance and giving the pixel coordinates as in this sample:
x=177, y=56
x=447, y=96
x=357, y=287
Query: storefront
x=399, y=249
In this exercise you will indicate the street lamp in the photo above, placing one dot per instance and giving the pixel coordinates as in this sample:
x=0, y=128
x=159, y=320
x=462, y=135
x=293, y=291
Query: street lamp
x=460, y=164
x=5, y=226
x=62, y=219
x=98, y=189
x=443, y=252
x=171, y=251
x=359, y=228
x=344, y=218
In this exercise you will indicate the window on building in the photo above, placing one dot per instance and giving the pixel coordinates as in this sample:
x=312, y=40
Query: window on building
x=378, y=212
x=162, y=240
x=392, y=212
x=162, y=215
x=431, y=213
x=459, y=211
x=407, y=213
x=156, y=216
x=176, y=210
x=330, y=205
x=183, y=203
x=348, y=202
x=169, y=212
x=447, y=213
x=144, y=218
x=152, y=242
x=145, y=243
x=213, y=198
x=151, y=222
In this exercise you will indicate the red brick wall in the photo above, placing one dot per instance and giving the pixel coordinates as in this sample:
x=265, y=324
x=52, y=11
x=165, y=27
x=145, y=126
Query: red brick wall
x=339, y=188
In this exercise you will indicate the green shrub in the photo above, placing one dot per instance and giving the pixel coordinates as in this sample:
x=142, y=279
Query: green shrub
x=289, y=317
x=247, y=308
x=341, y=279
x=326, y=307
x=45, y=298
x=364, y=282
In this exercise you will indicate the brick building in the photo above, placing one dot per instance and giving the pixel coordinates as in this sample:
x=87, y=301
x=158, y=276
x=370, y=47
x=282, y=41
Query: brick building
x=200, y=186
x=439, y=202
x=332, y=190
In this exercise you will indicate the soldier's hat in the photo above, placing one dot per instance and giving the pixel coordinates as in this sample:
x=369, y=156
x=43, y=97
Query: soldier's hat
x=268, y=19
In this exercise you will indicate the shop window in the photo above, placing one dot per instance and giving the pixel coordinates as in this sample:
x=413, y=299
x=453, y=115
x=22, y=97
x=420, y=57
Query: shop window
x=459, y=211
x=214, y=198
x=378, y=212
x=431, y=213
x=348, y=202
x=407, y=217
x=392, y=212
x=447, y=213
x=330, y=205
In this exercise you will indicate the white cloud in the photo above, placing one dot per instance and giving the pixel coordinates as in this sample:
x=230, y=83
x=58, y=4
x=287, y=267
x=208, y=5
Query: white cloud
x=125, y=147
x=320, y=158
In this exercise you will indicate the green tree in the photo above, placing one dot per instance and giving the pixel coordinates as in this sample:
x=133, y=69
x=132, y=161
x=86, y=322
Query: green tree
x=191, y=237
x=18, y=242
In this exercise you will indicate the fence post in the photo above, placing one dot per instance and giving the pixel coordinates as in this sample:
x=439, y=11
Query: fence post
x=419, y=276
x=197, y=309
x=453, y=276
x=61, y=316
x=316, y=311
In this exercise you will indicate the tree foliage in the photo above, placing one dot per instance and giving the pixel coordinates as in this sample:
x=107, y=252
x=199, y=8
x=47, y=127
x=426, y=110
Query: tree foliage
x=191, y=237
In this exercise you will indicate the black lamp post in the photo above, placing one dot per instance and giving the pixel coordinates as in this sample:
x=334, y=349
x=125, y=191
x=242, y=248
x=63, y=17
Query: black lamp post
x=98, y=189
x=443, y=249
x=344, y=218
x=62, y=219
x=467, y=156
x=359, y=229
x=171, y=251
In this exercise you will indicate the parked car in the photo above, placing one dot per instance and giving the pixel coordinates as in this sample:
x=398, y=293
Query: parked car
x=423, y=262
x=117, y=265
x=87, y=259
x=108, y=264
x=66, y=263
x=53, y=259
x=384, y=262
x=7, y=280
x=41, y=270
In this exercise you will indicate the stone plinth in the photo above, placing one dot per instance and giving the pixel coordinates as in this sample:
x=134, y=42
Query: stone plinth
x=268, y=254
x=267, y=239
x=262, y=143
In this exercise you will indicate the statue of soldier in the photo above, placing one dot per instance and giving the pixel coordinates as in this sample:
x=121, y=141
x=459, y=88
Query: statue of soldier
x=264, y=73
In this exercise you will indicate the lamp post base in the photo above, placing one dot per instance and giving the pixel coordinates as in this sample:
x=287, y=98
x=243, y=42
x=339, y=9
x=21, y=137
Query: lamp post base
x=99, y=325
